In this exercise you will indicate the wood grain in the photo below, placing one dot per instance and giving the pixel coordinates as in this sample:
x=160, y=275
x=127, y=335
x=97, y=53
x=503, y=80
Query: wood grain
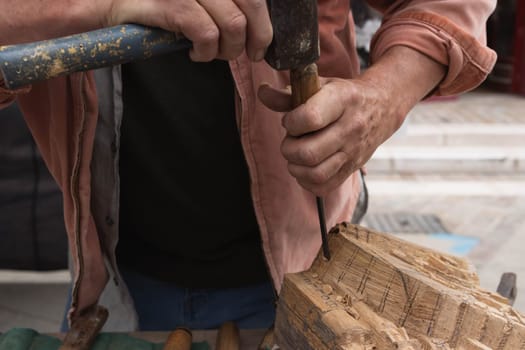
x=379, y=292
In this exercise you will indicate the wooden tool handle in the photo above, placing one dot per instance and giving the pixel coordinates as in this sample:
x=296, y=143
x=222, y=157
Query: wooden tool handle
x=179, y=339
x=25, y=64
x=507, y=287
x=268, y=341
x=228, y=337
x=84, y=330
x=305, y=83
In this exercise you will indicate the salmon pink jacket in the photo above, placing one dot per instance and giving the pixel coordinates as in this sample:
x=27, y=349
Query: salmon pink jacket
x=75, y=121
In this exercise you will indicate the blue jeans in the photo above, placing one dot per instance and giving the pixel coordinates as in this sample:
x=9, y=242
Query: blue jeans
x=162, y=306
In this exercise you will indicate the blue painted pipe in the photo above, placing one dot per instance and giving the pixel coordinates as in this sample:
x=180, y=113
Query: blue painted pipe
x=25, y=64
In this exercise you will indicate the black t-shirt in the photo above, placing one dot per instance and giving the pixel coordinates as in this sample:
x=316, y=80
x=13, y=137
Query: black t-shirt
x=186, y=214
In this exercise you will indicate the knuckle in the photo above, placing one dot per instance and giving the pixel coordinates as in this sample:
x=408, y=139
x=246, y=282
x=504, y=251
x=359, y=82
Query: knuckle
x=352, y=97
x=314, y=119
x=257, y=4
x=263, y=38
x=292, y=169
x=236, y=24
x=344, y=131
x=209, y=35
x=359, y=125
x=173, y=22
x=318, y=176
x=289, y=122
x=252, y=6
x=285, y=150
x=267, y=37
x=202, y=31
x=343, y=160
x=263, y=34
x=307, y=156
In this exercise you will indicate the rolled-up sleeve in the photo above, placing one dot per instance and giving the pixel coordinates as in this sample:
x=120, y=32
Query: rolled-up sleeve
x=452, y=32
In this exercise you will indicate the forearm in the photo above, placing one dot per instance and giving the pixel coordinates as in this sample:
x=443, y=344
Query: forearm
x=451, y=32
x=405, y=77
x=32, y=20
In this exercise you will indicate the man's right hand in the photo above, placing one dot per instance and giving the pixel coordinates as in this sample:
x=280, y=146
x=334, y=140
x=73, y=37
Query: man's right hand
x=218, y=28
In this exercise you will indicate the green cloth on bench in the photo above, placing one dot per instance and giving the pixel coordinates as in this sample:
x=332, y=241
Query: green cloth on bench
x=29, y=339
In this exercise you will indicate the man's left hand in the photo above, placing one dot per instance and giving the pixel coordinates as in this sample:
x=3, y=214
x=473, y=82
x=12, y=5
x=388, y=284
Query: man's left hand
x=338, y=129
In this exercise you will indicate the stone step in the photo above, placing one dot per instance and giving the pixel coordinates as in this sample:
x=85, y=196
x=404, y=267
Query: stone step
x=459, y=135
x=390, y=159
x=42, y=277
x=443, y=186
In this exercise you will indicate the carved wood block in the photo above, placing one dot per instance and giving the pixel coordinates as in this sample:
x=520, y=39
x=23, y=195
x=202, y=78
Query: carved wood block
x=380, y=292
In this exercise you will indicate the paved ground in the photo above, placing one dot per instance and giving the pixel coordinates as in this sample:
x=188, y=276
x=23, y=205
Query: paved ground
x=495, y=224
x=482, y=106
x=481, y=208
x=461, y=160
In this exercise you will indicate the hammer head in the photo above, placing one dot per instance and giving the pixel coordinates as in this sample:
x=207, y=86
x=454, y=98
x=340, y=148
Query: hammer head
x=295, y=34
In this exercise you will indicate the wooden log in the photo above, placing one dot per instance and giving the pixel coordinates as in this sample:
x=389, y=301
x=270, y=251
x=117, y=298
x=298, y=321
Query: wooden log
x=380, y=292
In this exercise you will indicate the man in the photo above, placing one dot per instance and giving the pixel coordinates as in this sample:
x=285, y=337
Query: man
x=213, y=197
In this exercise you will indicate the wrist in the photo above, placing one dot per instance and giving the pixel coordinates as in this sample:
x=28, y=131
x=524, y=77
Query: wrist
x=405, y=75
x=91, y=14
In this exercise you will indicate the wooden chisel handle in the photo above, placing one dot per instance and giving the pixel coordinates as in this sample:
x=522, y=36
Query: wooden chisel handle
x=179, y=339
x=228, y=337
x=25, y=64
x=305, y=83
x=85, y=329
